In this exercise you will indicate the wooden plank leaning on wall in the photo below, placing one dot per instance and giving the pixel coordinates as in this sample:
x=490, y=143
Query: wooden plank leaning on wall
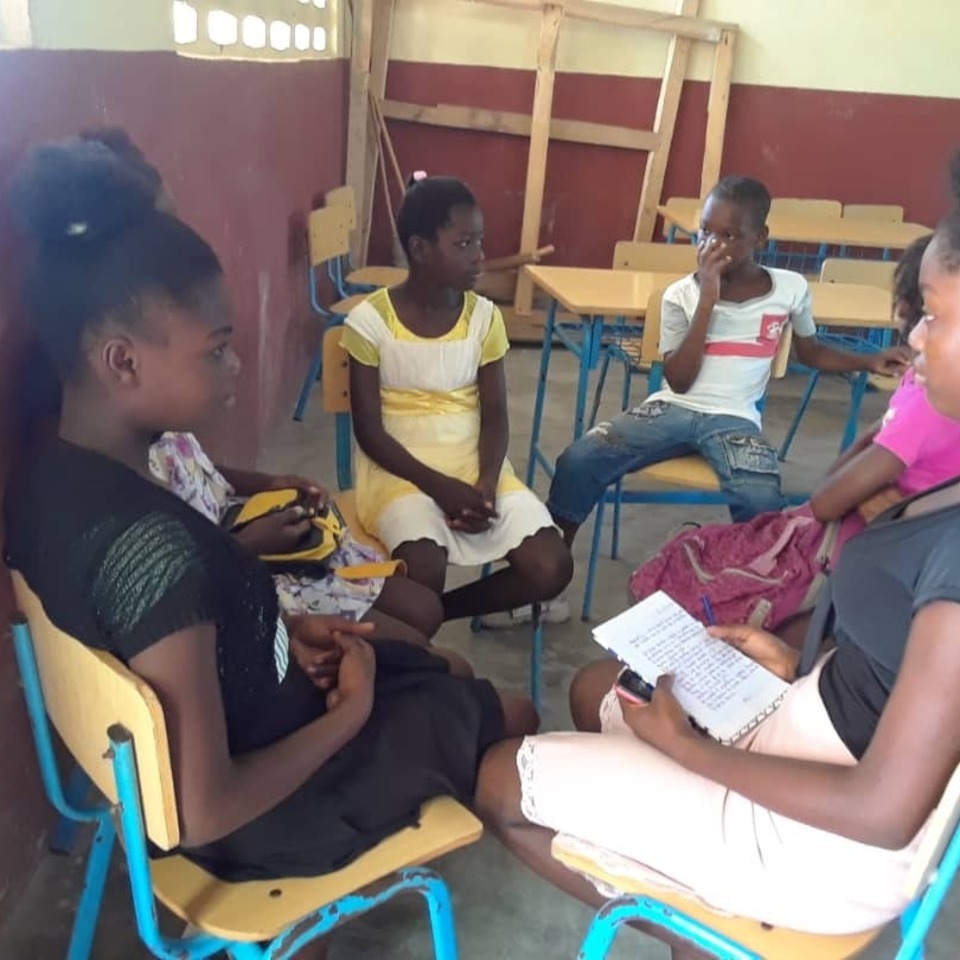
x=539, y=143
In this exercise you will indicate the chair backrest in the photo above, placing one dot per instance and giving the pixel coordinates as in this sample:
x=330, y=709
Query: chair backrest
x=85, y=692
x=343, y=197
x=884, y=212
x=655, y=257
x=650, y=341
x=875, y=273
x=806, y=208
x=683, y=206
x=328, y=232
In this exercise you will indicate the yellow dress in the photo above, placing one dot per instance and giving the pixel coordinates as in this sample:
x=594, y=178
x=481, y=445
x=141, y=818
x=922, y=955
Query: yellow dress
x=431, y=404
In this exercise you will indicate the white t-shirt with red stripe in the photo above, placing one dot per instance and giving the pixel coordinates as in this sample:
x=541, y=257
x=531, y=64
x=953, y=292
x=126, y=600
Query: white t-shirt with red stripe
x=742, y=341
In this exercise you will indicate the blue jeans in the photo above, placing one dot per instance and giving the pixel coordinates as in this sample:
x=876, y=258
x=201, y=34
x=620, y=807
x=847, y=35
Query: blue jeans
x=744, y=461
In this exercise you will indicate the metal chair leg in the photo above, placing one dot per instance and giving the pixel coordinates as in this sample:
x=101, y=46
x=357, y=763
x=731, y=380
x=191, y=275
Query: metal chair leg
x=592, y=563
x=617, y=509
x=612, y=915
x=627, y=384
x=598, y=392
x=313, y=375
x=536, y=656
x=541, y=391
x=94, y=882
x=798, y=416
x=64, y=835
x=858, y=387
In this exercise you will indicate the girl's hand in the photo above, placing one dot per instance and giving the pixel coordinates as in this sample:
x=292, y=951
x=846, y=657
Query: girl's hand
x=314, y=643
x=462, y=504
x=278, y=532
x=872, y=507
x=763, y=648
x=319, y=664
x=355, y=678
x=712, y=260
x=316, y=495
x=662, y=722
x=892, y=362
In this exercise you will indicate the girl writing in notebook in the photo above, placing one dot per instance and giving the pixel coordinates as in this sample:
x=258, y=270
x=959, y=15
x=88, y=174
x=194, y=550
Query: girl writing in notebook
x=811, y=820
x=429, y=401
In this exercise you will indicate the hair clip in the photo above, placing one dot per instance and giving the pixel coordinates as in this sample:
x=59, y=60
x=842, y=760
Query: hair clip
x=77, y=229
x=419, y=175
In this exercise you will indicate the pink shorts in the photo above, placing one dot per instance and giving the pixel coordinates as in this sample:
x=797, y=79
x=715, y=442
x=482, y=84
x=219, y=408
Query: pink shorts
x=640, y=814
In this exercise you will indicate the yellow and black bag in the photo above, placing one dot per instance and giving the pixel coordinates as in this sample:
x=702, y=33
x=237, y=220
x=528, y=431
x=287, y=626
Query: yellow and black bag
x=315, y=546
x=321, y=541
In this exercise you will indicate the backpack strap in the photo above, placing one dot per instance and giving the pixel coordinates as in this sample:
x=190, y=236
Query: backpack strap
x=819, y=628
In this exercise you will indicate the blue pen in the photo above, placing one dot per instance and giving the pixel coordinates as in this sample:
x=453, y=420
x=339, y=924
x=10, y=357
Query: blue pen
x=708, y=611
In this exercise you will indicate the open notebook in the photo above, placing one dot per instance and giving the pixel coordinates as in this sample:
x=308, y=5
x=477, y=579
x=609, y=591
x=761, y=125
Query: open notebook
x=723, y=691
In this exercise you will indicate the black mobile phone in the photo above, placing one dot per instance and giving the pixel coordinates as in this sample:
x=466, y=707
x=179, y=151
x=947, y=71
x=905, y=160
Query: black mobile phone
x=632, y=686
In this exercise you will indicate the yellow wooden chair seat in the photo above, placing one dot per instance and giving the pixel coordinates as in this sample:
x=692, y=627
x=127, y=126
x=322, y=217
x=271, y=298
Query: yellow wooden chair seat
x=377, y=276
x=342, y=307
x=691, y=472
x=775, y=943
x=262, y=909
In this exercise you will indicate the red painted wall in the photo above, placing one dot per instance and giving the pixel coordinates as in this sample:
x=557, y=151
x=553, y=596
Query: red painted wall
x=245, y=149
x=853, y=147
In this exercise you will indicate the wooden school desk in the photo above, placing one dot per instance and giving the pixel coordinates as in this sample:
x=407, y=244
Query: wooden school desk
x=801, y=228
x=592, y=295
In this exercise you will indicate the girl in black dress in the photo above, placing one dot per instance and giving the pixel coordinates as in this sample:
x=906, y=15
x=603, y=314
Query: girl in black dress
x=273, y=776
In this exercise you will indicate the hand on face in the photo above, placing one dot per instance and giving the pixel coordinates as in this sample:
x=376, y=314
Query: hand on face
x=713, y=259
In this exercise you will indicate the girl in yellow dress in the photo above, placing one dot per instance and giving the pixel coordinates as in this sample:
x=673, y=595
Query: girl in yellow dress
x=430, y=417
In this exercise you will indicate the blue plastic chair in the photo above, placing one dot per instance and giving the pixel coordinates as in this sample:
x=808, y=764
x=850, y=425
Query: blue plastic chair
x=328, y=239
x=690, y=478
x=725, y=937
x=336, y=400
x=113, y=725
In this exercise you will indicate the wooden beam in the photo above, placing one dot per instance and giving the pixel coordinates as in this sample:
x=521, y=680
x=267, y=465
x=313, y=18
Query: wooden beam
x=381, y=33
x=539, y=142
x=359, y=141
x=681, y=25
x=670, y=88
x=717, y=112
x=518, y=124
x=623, y=16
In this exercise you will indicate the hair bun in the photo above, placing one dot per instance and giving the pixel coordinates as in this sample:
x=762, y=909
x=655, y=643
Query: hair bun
x=78, y=193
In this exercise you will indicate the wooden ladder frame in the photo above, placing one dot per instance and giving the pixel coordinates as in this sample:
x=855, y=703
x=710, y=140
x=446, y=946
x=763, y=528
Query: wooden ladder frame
x=372, y=30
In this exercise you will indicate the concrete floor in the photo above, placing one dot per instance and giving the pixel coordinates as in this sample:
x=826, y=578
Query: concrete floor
x=502, y=911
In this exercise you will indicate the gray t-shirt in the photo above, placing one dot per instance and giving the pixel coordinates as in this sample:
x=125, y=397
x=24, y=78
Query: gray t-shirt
x=886, y=575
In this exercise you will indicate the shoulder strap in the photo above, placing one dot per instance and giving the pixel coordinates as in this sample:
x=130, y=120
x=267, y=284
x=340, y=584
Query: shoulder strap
x=819, y=628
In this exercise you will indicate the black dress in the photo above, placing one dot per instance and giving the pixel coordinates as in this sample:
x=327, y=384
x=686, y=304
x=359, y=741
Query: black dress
x=120, y=563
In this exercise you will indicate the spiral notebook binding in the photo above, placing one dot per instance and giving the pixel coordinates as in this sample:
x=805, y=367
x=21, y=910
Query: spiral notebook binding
x=757, y=720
